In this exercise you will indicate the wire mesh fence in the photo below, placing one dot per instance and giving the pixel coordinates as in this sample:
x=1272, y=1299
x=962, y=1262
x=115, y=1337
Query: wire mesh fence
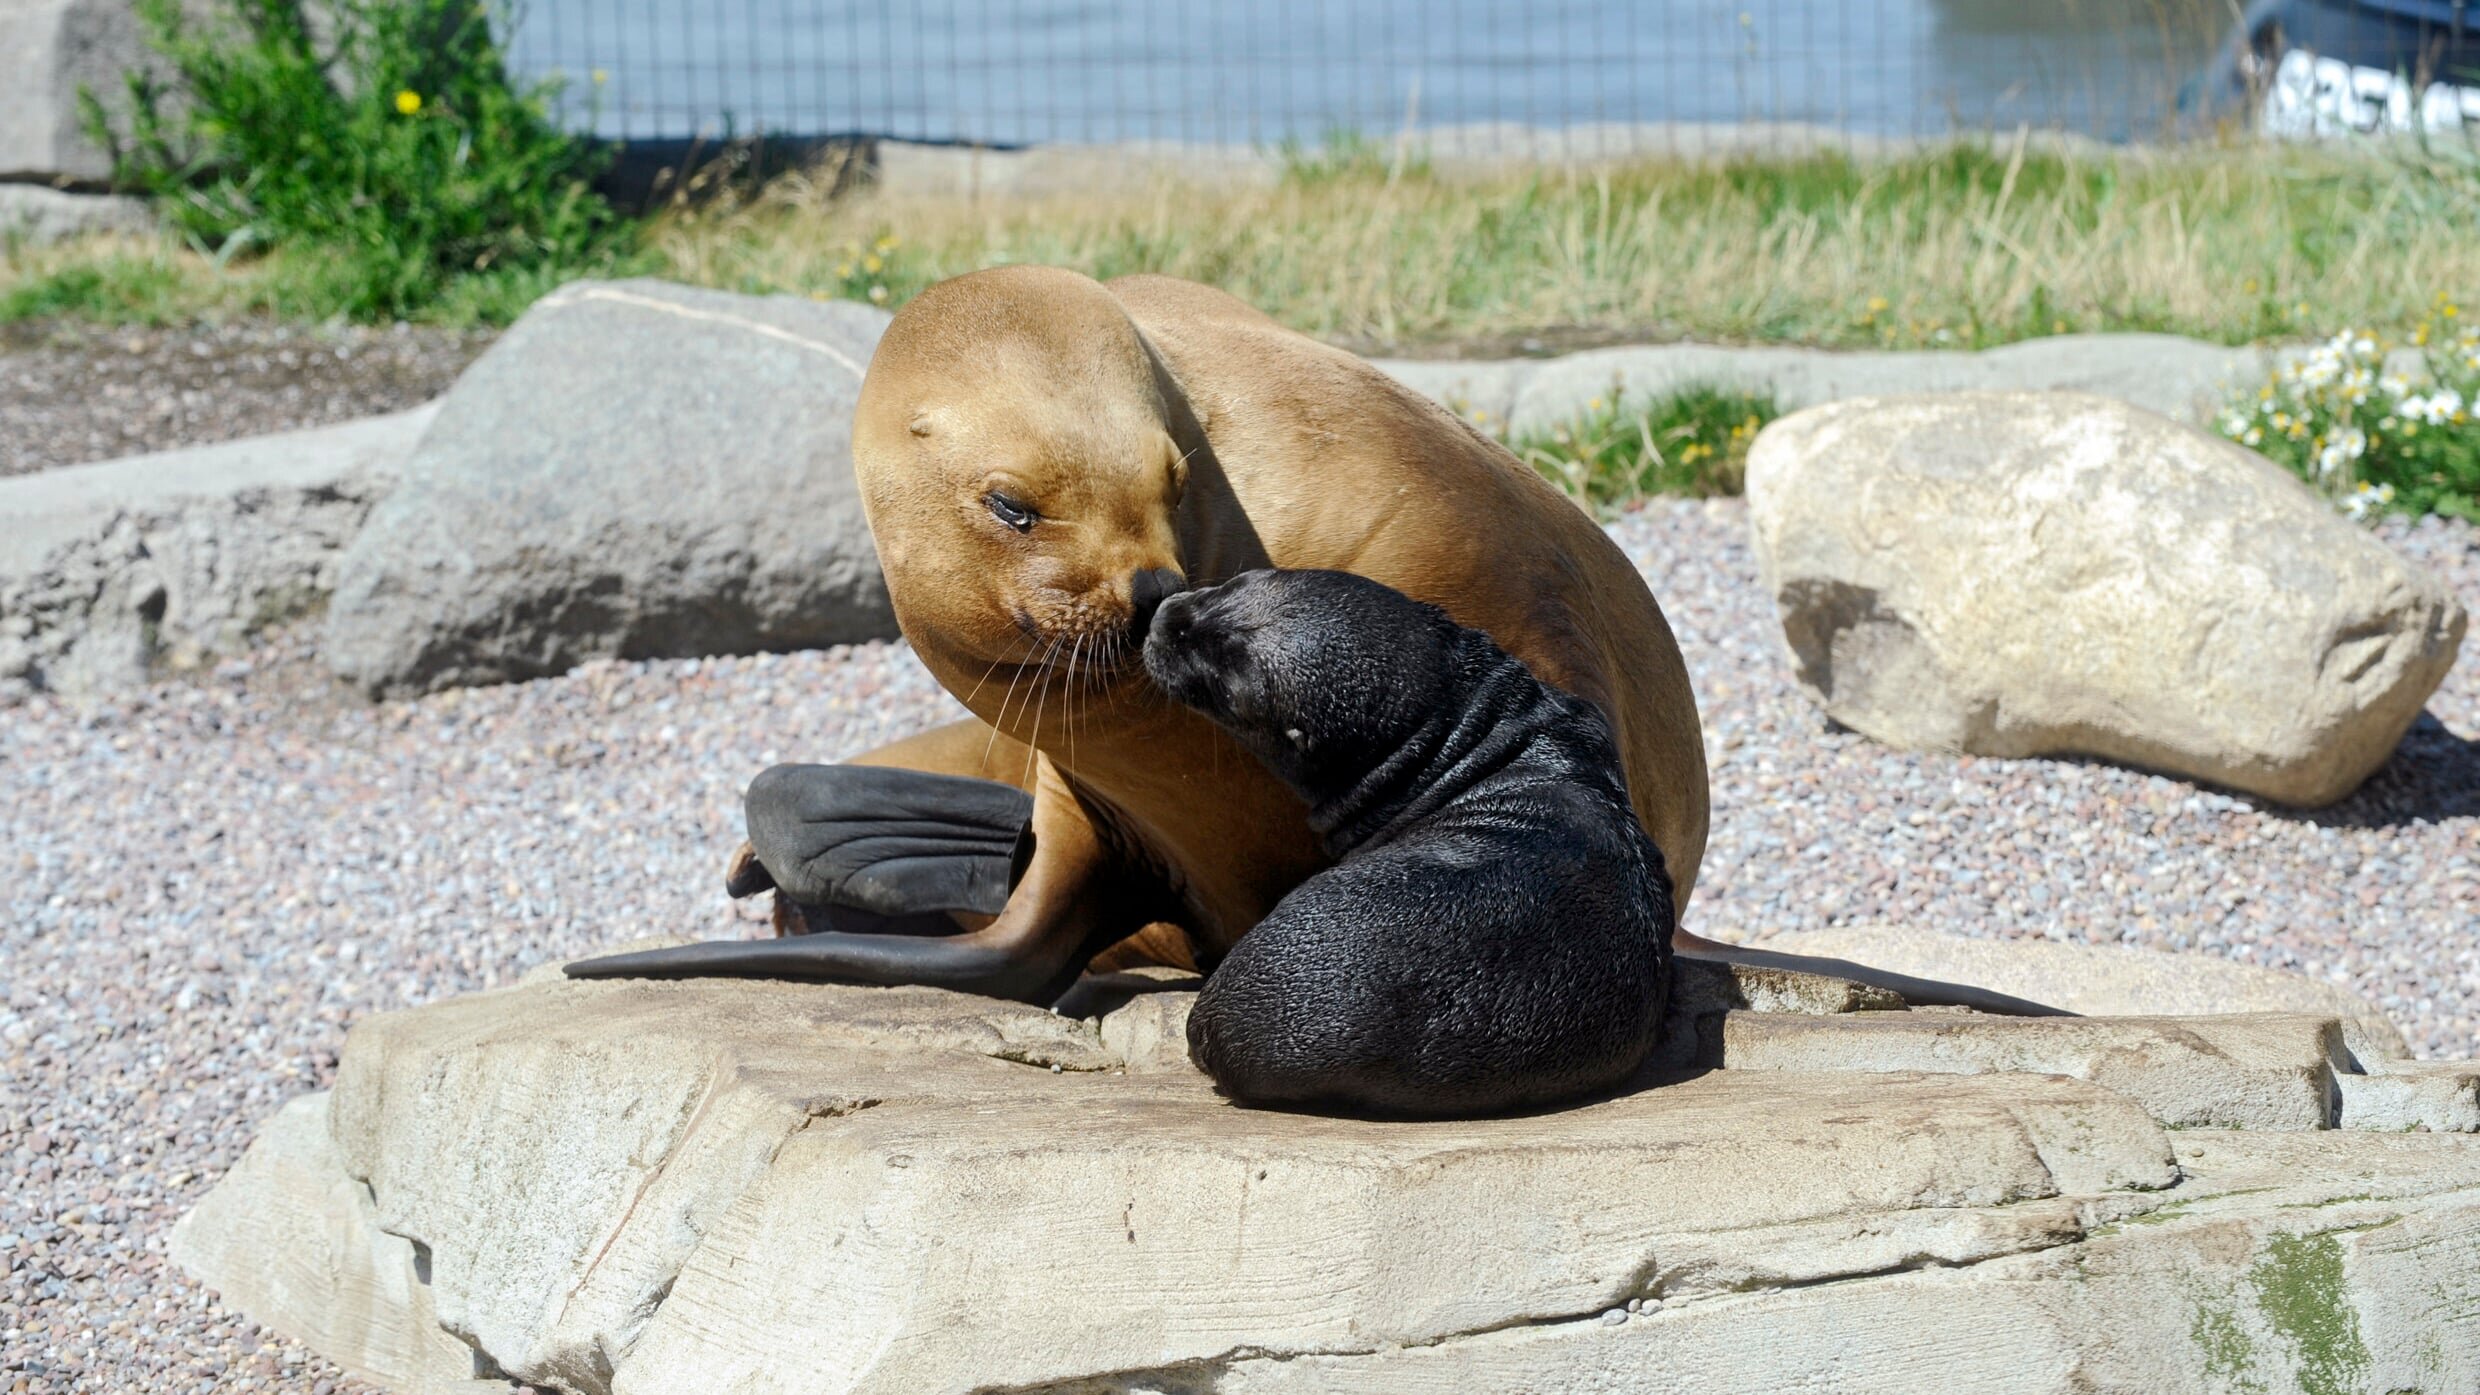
x=1018, y=72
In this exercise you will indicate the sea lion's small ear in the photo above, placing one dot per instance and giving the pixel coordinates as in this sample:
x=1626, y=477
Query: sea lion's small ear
x=920, y=425
x=1179, y=462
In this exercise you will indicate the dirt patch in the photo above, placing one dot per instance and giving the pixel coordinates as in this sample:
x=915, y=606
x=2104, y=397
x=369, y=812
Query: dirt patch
x=70, y=394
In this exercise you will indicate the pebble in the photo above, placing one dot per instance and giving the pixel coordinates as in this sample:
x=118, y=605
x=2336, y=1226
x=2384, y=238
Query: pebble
x=211, y=880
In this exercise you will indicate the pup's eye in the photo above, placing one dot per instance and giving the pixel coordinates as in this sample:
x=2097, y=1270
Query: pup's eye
x=1008, y=511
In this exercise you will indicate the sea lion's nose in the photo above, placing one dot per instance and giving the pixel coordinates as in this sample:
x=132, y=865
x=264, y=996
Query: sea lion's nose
x=1171, y=620
x=1147, y=590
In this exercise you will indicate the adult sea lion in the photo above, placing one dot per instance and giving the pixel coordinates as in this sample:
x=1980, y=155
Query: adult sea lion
x=1496, y=931
x=1043, y=458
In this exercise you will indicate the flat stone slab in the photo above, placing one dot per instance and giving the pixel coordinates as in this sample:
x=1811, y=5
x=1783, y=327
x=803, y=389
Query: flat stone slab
x=2254, y=1071
x=2104, y=980
x=110, y=570
x=625, y=1187
x=2166, y=373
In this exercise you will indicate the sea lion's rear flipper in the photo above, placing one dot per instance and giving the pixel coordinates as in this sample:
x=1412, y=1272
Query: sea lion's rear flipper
x=880, y=840
x=745, y=875
x=1919, y=992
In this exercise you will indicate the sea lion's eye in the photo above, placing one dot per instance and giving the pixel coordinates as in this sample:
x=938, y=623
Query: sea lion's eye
x=1008, y=511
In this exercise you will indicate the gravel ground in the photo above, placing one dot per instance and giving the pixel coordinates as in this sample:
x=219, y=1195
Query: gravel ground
x=70, y=394
x=214, y=879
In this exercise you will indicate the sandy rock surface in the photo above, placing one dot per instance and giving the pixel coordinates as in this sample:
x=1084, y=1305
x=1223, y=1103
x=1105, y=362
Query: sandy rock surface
x=210, y=880
x=2020, y=574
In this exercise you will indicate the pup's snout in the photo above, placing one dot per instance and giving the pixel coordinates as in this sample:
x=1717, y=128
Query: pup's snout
x=1172, y=617
x=1147, y=590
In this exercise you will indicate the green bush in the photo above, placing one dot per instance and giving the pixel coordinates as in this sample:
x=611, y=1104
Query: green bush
x=1693, y=442
x=402, y=154
x=2375, y=426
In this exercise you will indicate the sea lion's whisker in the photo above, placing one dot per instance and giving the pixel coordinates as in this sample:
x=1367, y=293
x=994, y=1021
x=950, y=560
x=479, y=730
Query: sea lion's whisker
x=999, y=720
x=987, y=670
x=1068, y=700
x=1042, y=698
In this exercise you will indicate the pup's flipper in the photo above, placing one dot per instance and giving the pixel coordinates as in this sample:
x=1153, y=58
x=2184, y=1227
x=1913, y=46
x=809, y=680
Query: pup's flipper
x=1919, y=992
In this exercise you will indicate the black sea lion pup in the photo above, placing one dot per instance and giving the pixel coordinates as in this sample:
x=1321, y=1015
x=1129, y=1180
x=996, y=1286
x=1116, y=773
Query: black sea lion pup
x=1497, y=931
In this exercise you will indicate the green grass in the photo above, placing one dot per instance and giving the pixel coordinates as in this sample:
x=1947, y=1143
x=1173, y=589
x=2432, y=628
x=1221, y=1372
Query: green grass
x=1693, y=442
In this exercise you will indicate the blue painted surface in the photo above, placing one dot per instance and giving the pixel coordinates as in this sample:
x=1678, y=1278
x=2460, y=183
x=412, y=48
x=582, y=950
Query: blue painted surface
x=1021, y=71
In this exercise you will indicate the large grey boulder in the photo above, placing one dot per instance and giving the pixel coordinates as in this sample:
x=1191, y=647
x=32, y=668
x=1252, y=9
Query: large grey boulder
x=112, y=570
x=2030, y=574
x=634, y=470
x=657, y=1187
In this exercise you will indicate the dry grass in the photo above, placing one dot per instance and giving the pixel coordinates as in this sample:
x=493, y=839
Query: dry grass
x=1965, y=247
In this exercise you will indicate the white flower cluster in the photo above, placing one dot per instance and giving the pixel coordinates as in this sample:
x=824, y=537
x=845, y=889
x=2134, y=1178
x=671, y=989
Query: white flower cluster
x=2340, y=449
x=2366, y=500
x=2432, y=409
x=2341, y=415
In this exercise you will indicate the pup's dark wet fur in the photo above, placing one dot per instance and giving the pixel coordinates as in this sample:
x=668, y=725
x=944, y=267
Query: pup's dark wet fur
x=1496, y=934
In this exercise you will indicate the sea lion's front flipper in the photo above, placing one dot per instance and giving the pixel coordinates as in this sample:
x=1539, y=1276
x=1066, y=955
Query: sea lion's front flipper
x=1058, y=915
x=1919, y=992
x=970, y=963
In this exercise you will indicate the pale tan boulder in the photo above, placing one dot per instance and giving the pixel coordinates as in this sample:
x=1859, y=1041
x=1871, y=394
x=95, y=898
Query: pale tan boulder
x=2055, y=573
x=610, y=1188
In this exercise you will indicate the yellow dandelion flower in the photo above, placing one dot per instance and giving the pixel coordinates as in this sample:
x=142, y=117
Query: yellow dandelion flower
x=2451, y=310
x=2250, y=286
x=1877, y=303
x=872, y=264
x=888, y=243
x=601, y=76
x=1593, y=406
x=843, y=271
x=408, y=102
